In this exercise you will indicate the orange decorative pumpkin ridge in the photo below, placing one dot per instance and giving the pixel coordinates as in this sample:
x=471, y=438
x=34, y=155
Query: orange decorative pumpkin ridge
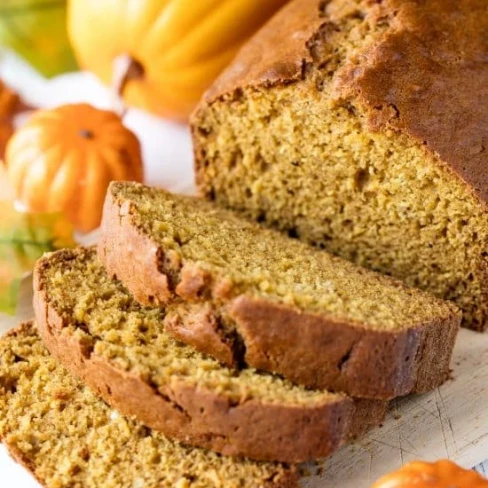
x=177, y=47
x=63, y=160
x=441, y=474
x=10, y=105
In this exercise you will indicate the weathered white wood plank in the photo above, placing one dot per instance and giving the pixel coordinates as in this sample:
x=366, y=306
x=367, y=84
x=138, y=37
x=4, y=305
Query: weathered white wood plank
x=483, y=469
x=451, y=422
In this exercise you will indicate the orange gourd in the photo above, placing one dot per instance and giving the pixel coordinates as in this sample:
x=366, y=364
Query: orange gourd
x=63, y=160
x=441, y=474
x=6, y=131
x=10, y=105
x=174, y=48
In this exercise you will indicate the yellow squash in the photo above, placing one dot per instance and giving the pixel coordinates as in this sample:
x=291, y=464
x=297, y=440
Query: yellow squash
x=175, y=48
x=63, y=160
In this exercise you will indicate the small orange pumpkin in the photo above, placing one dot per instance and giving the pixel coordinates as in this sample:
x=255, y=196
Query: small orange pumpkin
x=10, y=105
x=441, y=474
x=63, y=160
x=6, y=131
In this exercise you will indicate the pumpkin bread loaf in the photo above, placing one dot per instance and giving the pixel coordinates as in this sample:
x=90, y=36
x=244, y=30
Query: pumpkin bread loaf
x=362, y=127
x=252, y=296
x=92, y=325
x=66, y=437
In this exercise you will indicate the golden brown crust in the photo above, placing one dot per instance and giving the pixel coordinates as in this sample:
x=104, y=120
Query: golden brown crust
x=142, y=268
x=322, y=353
x=199, y=416
x=315, y=351
x=442, y=101
x=367, y=413
x=426, y=76
x=197, y=325
x=272, y=56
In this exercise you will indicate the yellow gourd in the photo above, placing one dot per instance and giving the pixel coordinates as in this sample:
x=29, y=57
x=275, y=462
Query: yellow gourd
x=63, y=160
x=174, y=48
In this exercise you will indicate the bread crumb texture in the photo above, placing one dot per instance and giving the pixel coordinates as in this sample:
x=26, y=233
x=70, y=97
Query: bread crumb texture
x=102, y=315
x=67, y=437
x=264, y=263
x=308, y=157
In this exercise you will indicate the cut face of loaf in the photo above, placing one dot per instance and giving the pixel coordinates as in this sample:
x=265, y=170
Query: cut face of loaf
x=362, y=127
x=252, y=296
x=67, y=437
x=92, y=325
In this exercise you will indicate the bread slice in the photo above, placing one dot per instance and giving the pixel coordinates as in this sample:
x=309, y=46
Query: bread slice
x=67, y=437
x=254, y=296
x=92, y=325
x=362, y=127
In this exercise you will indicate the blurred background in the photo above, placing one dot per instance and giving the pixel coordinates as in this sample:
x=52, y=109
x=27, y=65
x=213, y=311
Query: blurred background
x=38, y=62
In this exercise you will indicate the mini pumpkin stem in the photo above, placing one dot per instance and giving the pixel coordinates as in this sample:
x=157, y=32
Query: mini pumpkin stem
x=125, y=69
x=86, y=134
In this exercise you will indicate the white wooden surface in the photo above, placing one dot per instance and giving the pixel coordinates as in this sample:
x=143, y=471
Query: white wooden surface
x=451, y=422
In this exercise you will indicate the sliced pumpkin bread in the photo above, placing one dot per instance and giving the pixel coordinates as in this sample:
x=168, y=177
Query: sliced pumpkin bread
x=252, y=296
x=362, y=126
x=67, y=437
x=92, y=325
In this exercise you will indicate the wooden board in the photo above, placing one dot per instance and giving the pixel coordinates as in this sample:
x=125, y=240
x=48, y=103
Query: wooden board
x=451, y=422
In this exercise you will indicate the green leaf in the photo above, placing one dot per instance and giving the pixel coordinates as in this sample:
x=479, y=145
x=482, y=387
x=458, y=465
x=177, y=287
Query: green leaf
x=9, y=298
x=24, y=238
x=36, y=31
